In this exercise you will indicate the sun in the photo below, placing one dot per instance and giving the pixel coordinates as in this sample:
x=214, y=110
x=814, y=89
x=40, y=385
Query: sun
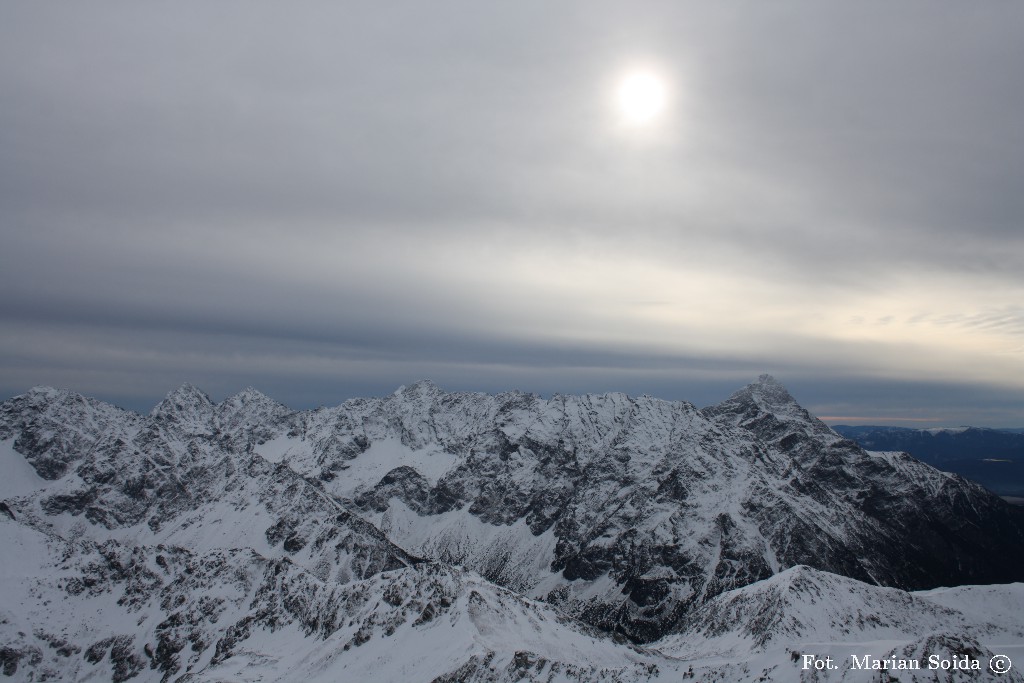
x=641, y=97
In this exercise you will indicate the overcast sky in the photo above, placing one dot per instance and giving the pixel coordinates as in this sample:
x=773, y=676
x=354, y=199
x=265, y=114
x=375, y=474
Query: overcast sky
x=326, y=200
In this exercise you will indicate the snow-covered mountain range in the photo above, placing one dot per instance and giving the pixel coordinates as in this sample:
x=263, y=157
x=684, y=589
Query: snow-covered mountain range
x=992, y=457
x=444, y=536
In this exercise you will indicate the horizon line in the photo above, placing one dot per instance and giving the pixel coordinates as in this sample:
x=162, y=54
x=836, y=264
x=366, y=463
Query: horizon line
x=883, y=419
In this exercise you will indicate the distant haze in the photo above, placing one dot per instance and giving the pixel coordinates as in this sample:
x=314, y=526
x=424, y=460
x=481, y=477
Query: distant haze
x=334, y=199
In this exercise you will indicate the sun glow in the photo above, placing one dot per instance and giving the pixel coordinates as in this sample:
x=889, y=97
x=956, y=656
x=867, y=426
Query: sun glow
x=641, y=97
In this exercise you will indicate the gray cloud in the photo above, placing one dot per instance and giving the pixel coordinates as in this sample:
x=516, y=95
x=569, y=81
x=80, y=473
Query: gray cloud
x=438, y=189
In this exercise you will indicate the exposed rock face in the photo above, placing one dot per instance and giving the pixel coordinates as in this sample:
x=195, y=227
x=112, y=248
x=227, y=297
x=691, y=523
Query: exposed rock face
x=186, y=474
x=628, y=514
x=53, y=428
x=628, y=511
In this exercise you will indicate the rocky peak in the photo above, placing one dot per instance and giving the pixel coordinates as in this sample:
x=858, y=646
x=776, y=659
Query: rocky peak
x=44, y=398
x=54, y=428
x=188, y=409
x=61, y=406
x=45, y=393
x=186, y=404
x=767, y=393
x=767, y=409
x=252, y=402
x=253, y=411
x=771, y=388
x=422, y=389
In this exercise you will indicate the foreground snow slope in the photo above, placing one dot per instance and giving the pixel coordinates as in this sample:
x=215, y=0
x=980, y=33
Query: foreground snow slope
x=78, y=611
x=772, y=625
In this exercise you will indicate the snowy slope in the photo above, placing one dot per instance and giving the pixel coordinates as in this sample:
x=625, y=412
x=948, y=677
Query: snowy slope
x=771, y=625
x=179, y=478
x=79, y=611
x=224, y=540
x=625, y=512
x=111, y=611
x=628, y=511
x=433, y=622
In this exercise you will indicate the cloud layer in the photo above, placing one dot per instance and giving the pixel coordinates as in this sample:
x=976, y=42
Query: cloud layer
x=339, y=199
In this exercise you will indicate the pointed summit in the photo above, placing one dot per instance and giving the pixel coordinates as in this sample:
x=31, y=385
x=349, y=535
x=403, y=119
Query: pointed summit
x=767, y=394
x=249, y=409
x=253, y=402
x=767, y=408
x=185, y=402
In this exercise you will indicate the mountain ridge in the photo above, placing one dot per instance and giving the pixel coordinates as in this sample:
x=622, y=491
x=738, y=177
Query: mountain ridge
x=992, y=457
x=663, y=504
